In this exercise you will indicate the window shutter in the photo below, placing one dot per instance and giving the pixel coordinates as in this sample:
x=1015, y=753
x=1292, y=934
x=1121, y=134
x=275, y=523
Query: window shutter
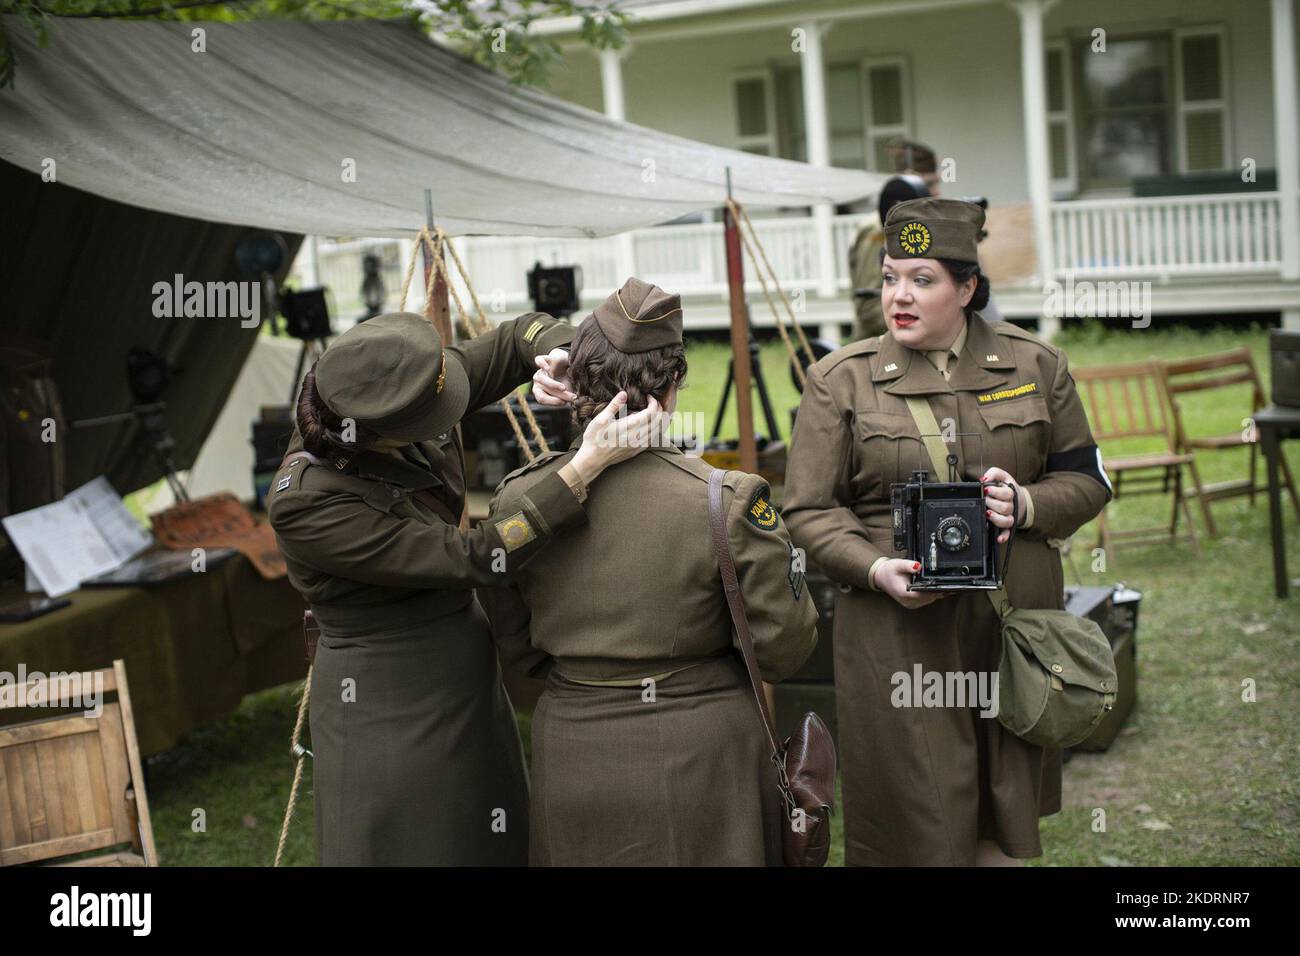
x=1202, y=104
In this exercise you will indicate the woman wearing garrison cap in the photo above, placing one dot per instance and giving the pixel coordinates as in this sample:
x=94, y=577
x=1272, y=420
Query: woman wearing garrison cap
x=648, y=748
x=936, y=785
x=417, y=758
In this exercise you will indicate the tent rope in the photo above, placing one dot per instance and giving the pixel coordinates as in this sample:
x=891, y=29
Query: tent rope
x=741, y=217
x=485, y=326
x=298, y=751
x=436, y=242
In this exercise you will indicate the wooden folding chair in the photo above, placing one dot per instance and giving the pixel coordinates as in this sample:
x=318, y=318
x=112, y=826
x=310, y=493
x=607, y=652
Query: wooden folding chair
x=1125, y=402
x=1206, y=373
x=71, y=784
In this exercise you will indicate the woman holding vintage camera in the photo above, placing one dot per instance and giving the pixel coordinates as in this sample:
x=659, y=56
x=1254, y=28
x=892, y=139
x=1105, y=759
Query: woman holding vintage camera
x=934, y=782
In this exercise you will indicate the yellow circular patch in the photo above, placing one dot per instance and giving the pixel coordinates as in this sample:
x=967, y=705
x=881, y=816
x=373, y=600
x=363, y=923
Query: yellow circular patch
x=914, y=238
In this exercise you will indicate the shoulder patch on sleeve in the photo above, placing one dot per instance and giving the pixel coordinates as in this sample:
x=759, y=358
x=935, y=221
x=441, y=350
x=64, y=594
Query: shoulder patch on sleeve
x=536, y=326
x=515, y=531
x=797, y=567
x=759, y=512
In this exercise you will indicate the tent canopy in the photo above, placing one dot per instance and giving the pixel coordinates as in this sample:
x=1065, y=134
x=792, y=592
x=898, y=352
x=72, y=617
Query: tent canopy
x=258, y=131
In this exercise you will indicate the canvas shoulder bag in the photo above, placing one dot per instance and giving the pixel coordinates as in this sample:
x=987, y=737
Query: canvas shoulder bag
x=1056, y=674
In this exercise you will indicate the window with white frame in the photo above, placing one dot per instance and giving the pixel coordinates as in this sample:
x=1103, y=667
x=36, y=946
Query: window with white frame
x=866, y=103
x=886, y=85
x=1151, y=104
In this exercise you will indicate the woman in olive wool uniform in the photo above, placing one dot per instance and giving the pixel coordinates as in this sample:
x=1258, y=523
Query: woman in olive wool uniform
x=417, y=759
x=936, y=785
x=648, y=747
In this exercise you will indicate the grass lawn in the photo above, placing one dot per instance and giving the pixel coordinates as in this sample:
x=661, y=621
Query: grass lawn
x=1198, y=777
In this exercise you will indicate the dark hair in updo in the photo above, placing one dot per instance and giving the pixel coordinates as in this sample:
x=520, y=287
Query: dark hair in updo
x=598, y=372
x=963, y=271
x=321, y=429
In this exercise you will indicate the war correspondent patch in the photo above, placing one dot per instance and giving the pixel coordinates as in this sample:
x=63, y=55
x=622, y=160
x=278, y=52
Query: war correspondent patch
x=760, y=512
x=914, y=238
x=1007, y=393
x=515, y=531
x=533, y=329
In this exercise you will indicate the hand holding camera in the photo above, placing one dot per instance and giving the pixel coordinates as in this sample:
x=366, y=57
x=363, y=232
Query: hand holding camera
x=949, y=530
x=1001, y=495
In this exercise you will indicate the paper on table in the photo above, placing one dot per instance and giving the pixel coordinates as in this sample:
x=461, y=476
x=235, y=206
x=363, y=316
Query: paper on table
x=86, y=534
x=107, y=512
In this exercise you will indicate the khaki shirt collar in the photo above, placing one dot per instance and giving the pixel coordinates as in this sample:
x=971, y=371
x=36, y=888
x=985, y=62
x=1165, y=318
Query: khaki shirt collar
x=908, y=372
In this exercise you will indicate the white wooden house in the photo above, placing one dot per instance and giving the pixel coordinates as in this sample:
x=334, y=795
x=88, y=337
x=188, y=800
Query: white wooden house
x=1151, y=141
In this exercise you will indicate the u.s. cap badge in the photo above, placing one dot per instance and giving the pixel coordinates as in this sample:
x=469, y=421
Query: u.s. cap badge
x=914, y=238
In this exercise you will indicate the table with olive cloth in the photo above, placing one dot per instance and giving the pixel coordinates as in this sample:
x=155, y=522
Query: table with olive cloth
x=193, y=647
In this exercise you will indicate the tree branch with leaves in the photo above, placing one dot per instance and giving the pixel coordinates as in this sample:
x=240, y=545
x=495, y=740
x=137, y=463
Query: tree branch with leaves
x=493, y=33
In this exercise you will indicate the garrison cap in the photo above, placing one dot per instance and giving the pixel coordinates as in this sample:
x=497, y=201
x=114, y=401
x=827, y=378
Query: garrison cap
x=640, y=317
x=934, y=228
x=392, y=376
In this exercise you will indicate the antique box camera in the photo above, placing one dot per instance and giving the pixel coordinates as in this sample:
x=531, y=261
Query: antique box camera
x=941, y=525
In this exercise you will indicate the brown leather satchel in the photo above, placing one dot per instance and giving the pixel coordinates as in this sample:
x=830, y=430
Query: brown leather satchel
x=805, y=763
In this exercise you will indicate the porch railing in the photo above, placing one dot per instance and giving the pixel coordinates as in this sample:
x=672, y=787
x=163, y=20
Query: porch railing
x=1172, y=236
x=1169, y=235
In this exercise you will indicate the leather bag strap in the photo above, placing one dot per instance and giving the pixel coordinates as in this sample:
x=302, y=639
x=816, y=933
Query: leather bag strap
x=736, y=602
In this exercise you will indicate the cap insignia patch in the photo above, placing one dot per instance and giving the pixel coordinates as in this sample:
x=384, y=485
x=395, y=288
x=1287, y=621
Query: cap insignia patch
x=442, y=378
x=914, y=238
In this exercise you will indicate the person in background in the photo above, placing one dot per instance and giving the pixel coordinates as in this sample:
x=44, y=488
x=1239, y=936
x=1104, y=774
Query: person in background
x=909, y=158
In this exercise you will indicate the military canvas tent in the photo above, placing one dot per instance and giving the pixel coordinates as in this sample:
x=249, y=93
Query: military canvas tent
x=164, y=157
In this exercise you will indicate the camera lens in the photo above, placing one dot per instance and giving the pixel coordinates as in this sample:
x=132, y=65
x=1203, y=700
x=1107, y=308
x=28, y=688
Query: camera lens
x=954, y=534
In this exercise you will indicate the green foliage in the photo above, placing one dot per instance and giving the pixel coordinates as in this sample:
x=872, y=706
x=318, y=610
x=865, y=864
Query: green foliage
x=495, y=35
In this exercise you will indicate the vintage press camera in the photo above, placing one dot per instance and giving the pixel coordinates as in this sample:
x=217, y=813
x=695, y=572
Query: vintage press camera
x=941, y=525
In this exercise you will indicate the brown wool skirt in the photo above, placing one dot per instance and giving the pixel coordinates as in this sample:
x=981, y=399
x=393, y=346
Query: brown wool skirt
x=684, y=781
x=425, y=766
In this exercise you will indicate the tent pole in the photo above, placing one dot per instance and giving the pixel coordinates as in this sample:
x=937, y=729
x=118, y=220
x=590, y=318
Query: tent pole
x=437, y=309
x=739, y=338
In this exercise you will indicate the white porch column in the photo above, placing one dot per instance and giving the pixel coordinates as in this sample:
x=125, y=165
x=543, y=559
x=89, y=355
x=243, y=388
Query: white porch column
x=611, y=85
x=1287, y=147
x=311, y=262
x=1033, y=82
x=817, y=133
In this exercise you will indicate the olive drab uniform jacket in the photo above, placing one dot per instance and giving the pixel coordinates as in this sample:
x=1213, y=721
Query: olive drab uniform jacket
x=417, y=758
x=637, y=592
x=922, y=785
x=362, y=531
